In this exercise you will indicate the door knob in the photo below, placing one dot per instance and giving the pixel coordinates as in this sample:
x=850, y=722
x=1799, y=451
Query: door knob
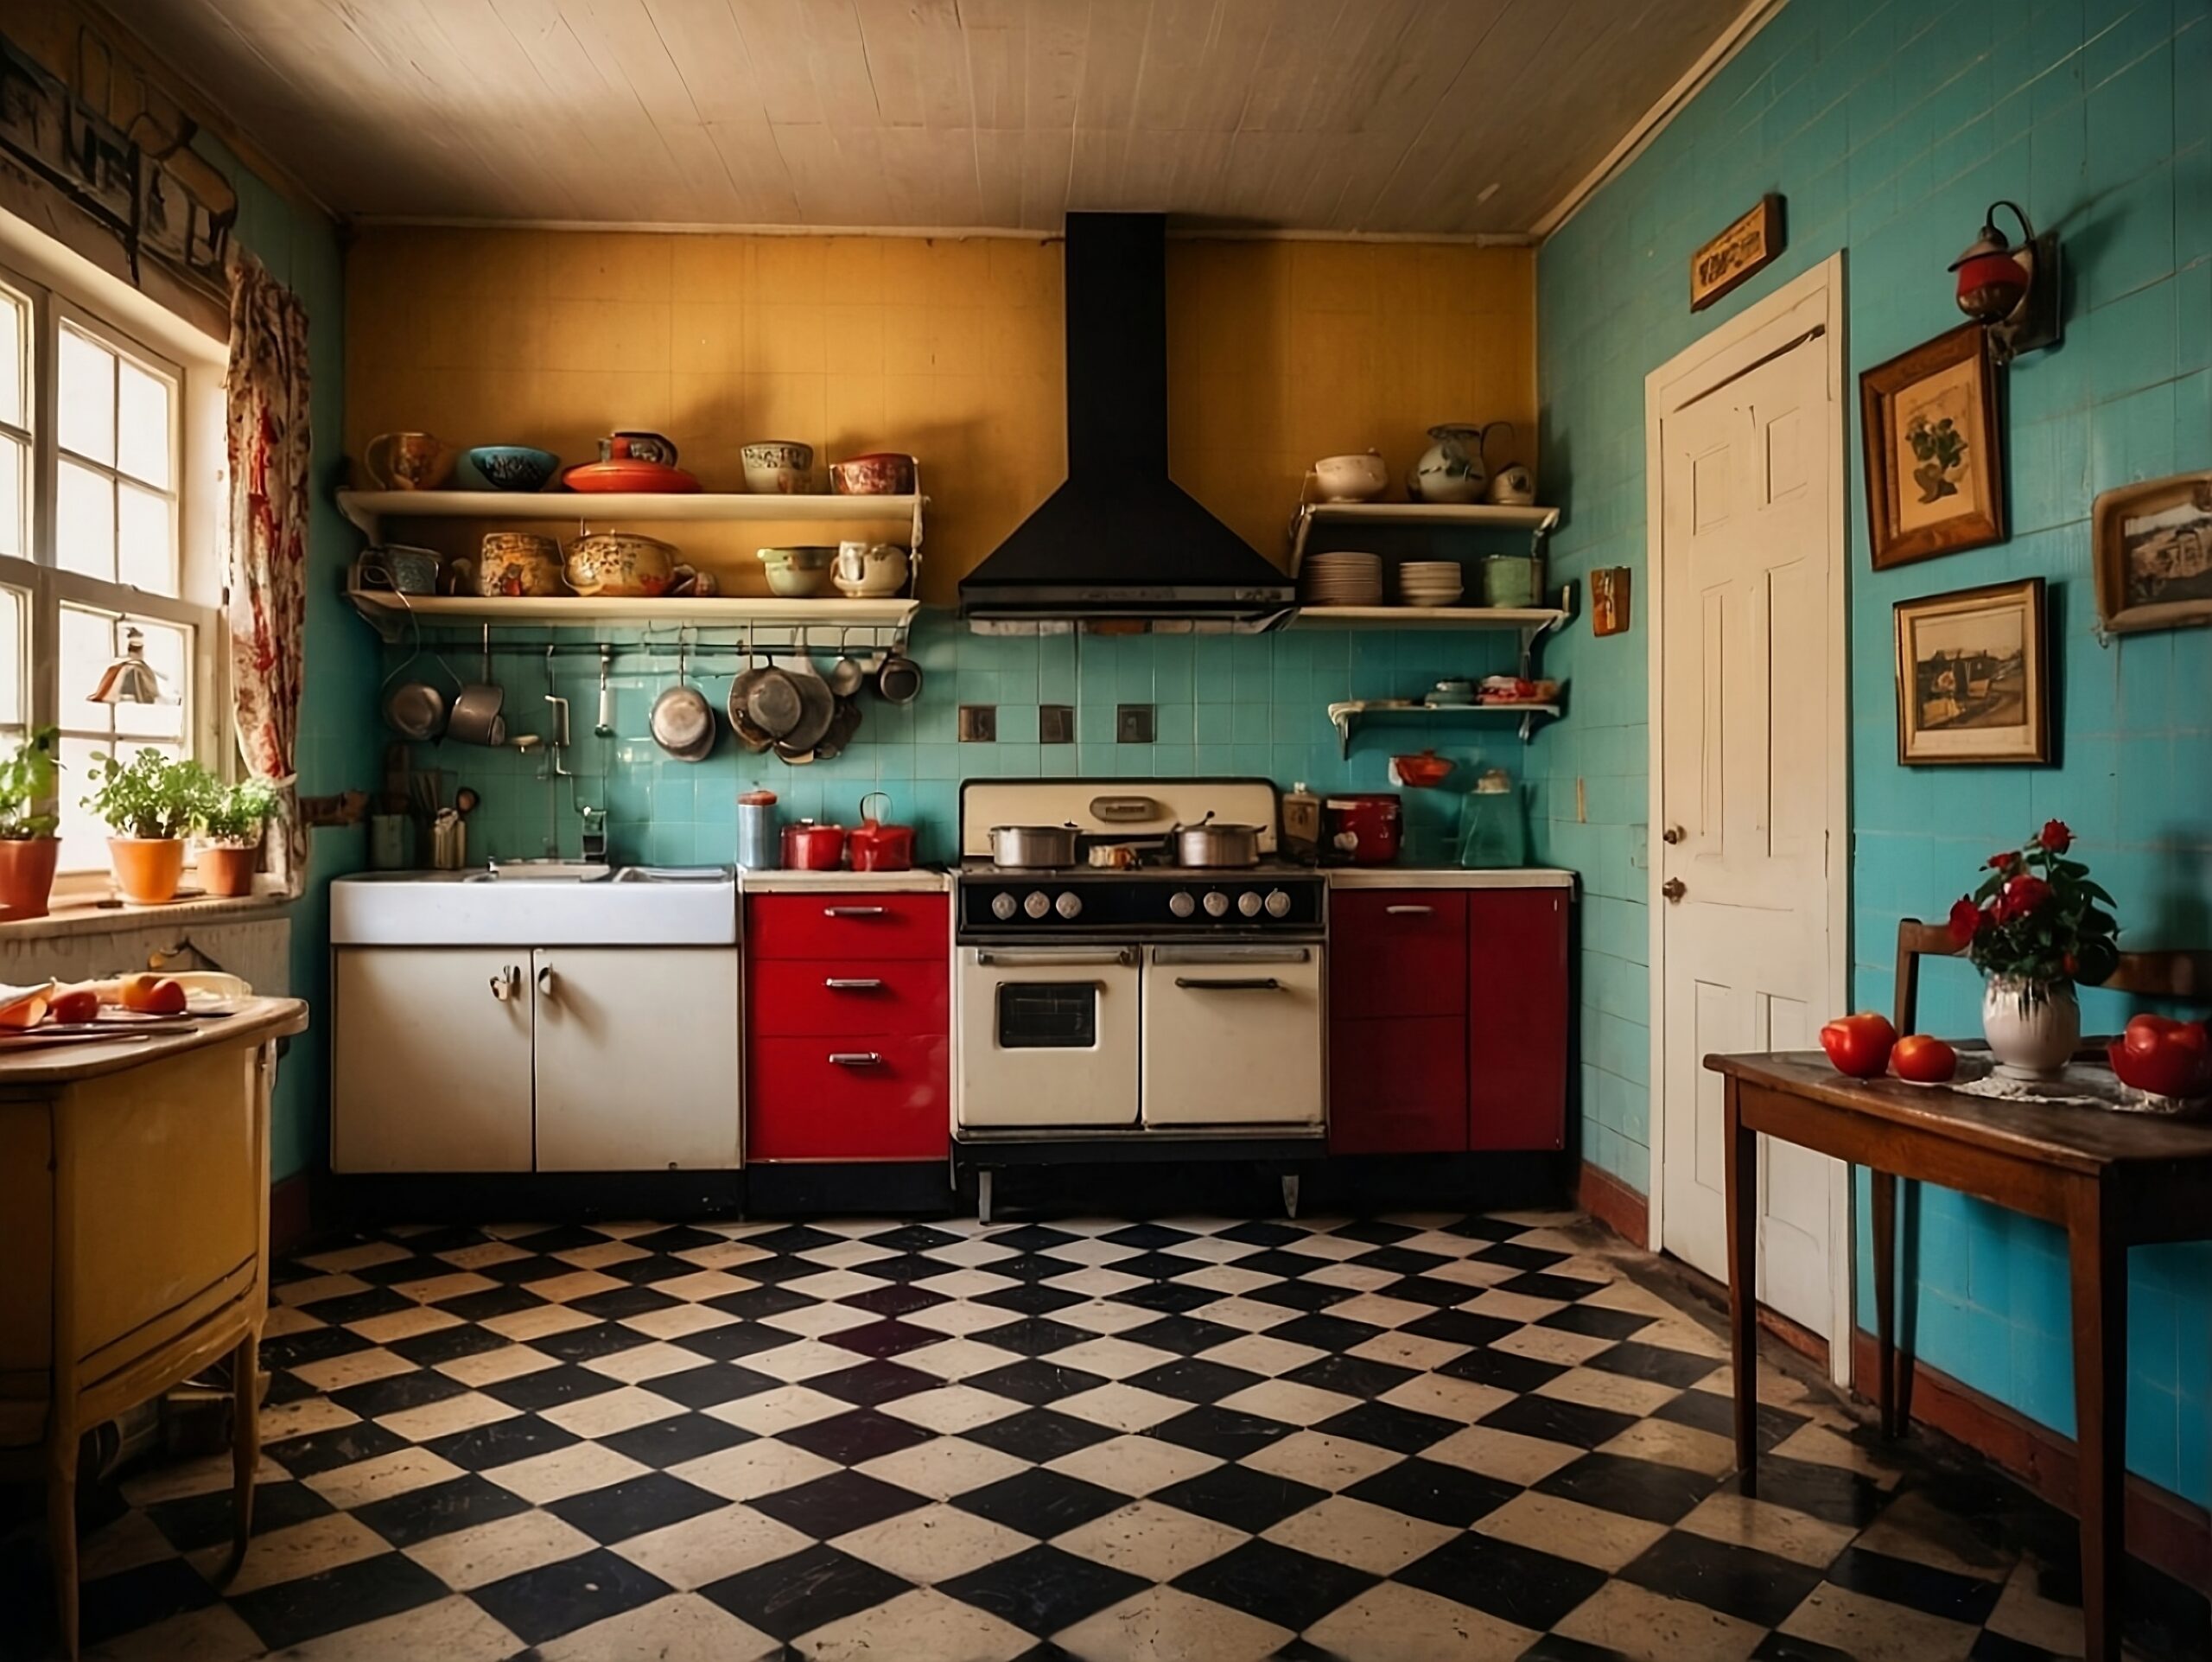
x=1674, y=889
x=1672, y=835
x=506, y=983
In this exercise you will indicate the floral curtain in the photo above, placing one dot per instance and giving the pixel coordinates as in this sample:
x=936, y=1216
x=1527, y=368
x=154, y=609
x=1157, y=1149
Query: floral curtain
x=266, y=534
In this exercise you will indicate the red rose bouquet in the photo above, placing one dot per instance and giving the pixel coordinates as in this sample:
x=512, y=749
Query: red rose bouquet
x=2038, y=916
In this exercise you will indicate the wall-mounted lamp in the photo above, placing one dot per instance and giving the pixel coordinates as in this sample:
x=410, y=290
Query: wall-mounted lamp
x=130, y=679
x=2011, y=289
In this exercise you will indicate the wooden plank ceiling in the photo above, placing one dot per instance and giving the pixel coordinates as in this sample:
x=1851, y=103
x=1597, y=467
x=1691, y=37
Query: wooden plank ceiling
x=1423, y=117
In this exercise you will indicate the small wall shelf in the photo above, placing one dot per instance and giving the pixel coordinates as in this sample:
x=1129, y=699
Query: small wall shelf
x=369, y=509
x=1348, y=717
x=886, y=621
x=1472, y=516
x=1538, y=618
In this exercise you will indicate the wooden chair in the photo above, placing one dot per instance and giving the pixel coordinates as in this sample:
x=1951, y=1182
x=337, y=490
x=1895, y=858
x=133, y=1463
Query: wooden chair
x=2182, y=975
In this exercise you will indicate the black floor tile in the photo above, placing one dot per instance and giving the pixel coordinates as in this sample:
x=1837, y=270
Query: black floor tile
x=711, y=1385
x=621, y=1302
x=1388, y=1426
x=874, y=1382
x=440, y=1509
x=1375, y=1231
x=1036, y=1335
x=1557, y=1420
x=316, y=1452
x=1332, y=1333
x=1037, y=1434
x=1429, y=1488
x=549, y=1387
x=482, y=1305
x=1828, y=1493
x=1656, y=1363
x=1917, y=1586
x=794, y=1238
x=502, y=1442
x=395, y=1391
x=1739, y=1581
x=884, y=1339
x=1596, y=1321
x=1262, y=1233
x=348, y=1308
x=1400, y=1261
x=1241, y=1498
x=1502, y=1370
x=136, y=1598
x=589, y=1344
x=449, y=1344
x=831, y=1505
x=756, y=1303
x=1310, y=1296
x=912, y=1238
x=200, y=1520
x=1148, y=1237
x=677, y=1238
x=1169, y=1298
x=1351, y=1376
x=1518, y=1255
x=1040, y=1503
x=1461, y=1327
x=633, y=1506
x=1192, y=1380
x=810, y=1589
x=1558, y=1647
x=1044, y=1589
x=734, y=1342
x=1222, y=1432
x=1185, y=1335
x=1515, y=1583
x=291, y=1613
x=1434, y=1290
x=864, y=1434
x=1536, y=1283
x=670, y=1442
x=1786, y=1648
x=1709, y=1412
x=310, y=1345
x=542, y=1604
x=1657, y=1493
x=1275, y=1584
x=895, y=1299
x=1030, y=1298
x=1035, y=1382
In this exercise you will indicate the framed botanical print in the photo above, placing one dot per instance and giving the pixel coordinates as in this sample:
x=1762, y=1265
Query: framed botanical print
x=1935, y=474
x=1973, y=684
x=2153, y=552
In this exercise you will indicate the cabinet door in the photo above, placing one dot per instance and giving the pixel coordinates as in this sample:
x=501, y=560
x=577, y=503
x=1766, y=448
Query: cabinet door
x=637, y=1057
x=429, y=1066
x=1516, y=1018
x=847, y=924
x=1398, y=1086
x=877, y=1098
x=1398, y=952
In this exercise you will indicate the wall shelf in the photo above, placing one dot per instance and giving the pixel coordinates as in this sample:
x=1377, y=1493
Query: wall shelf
x=1470, y=516
x=1538, y=618
x=369, y=509
x=1348, y=717
x=887, y=622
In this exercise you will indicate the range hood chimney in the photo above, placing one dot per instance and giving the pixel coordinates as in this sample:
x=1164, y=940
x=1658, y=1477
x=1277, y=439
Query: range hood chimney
x=1121, y=541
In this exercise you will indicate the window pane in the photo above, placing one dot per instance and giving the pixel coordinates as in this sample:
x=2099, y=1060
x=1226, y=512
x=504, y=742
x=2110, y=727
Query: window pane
x=88, y=648
x=166, y=650
x=145, y=540
x=143, y=431
x=15, y=495
x=87, y=396
x=84, y=839
x=84, y=522
x=14, y=359
x=11, y=658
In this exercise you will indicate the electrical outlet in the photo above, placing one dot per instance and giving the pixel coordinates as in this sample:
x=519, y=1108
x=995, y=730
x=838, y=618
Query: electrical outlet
x=1133, y=724
x=979, y=723
x=1056, y=723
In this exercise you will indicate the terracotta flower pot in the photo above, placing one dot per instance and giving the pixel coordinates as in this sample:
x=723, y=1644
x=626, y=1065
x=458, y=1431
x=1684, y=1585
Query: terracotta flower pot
x=26, y=876
x=226, y=869
x=146, y=868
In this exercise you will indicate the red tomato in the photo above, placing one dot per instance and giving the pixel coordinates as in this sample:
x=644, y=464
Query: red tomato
x=2164, y=1057
x=1924, y=1059
x=78, y=1004
x=1859, y=1044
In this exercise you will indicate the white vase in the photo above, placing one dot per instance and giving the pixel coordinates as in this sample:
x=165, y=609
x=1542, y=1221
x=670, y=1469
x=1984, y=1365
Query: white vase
x=2033, y=1027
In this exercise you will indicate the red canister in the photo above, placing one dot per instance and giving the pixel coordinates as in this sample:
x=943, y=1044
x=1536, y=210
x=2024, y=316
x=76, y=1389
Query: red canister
x=810, y=847
x=1362, y=828
x=879, y=847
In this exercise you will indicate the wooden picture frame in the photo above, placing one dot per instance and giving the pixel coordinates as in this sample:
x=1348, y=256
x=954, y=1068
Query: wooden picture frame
x=1973, y=682
x=1935, y=449
x=2151, y=543
x=1609, y=592
x=1739, y=253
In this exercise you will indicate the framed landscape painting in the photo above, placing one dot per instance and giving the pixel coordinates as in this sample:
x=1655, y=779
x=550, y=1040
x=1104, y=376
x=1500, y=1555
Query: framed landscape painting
x=2153, y=552
x=1973, y=686
x=1935, y=476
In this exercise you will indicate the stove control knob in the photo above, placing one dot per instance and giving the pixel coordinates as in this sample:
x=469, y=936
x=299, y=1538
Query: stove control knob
x=1004, y=906
x=1216, y=904
x=1068, y=905
x=1249, y=903
x=1181, y=904
x=1278, y=904
x=1038, y=903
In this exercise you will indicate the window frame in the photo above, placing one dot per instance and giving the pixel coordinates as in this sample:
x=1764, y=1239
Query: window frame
x=46, y=586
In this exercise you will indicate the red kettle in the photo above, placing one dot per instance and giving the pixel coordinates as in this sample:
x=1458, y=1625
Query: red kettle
x=879, y=847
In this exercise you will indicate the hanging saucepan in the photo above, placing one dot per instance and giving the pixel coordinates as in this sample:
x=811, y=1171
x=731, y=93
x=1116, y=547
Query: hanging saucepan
x=750, y=732
x=683, y=722
x=417, y=708
x=817, y=709
x=1214, y=843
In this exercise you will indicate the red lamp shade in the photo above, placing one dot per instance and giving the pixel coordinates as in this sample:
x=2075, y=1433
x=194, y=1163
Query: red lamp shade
x=1991, y=284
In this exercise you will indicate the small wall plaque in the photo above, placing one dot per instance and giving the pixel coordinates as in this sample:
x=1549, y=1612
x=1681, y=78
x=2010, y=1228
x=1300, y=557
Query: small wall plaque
x=1609, y=600
x=1738, y=254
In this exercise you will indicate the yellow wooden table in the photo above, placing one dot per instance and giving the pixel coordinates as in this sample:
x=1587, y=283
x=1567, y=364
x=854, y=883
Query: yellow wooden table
x=134, y=1241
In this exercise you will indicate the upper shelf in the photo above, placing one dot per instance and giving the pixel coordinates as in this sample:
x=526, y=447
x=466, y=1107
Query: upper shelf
x=1524, y=618
x=1466, y=516
x=368, y=509
x=893, y=618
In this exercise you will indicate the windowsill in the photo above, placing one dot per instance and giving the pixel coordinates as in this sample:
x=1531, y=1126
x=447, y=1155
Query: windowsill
x=98, y=915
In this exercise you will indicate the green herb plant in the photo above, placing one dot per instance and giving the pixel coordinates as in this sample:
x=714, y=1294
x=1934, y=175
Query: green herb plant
x=29, y=781
x=236, y=814
x=150, y=797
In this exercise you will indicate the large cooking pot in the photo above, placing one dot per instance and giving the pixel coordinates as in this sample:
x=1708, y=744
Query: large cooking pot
x=1362, y=828
x=810, y=847
x=1213, y=842
x=1034, y=847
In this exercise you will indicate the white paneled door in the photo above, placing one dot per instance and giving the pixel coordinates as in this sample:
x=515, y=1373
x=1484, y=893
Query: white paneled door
x=1750, y=646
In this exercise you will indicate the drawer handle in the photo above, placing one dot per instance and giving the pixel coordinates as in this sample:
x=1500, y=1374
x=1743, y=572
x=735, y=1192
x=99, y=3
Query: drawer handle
x=853, y=911
x=853, y=984
x=855, y=1059
x=1243, y=984
x=1409, y=911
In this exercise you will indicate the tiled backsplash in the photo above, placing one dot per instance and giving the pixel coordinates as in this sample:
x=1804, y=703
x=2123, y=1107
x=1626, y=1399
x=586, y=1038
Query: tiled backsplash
x=1254, y=705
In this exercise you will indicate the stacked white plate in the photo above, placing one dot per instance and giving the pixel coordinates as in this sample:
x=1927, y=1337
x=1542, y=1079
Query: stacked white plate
x=1430, y=583
x=1343, y=579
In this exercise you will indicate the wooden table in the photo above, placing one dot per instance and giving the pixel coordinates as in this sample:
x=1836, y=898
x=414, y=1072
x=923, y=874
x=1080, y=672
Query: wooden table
x=2111, y=1179
x=134, y=1241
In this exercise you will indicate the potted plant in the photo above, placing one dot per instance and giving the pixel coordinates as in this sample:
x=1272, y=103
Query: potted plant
x=2037, y=926
x=230, y=820
x=149, y=803
x=28, y=844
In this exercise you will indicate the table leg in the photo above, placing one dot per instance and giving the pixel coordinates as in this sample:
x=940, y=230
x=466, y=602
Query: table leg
x=1884, y=1186
x=1742, y=1189
x=245, y=1447
x=61, y=1529
x=2098, y=1259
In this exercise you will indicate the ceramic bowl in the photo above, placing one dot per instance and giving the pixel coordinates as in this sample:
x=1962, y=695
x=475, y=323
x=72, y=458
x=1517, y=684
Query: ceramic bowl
x=620, y=564
x=881, y=473
x=870, y=571
x=510, y=467
x=517, y=564
x=798, y=573
x=1352, y=478
x=778, y=467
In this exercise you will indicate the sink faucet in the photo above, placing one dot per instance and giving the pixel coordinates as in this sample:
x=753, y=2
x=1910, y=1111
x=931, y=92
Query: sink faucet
x=595, y=820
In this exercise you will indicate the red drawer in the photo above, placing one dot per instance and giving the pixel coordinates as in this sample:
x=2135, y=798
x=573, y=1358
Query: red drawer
x=804, y=998
x=847, y=926
x=1398, y=1086
x=801, y=1106
x=1398, y=952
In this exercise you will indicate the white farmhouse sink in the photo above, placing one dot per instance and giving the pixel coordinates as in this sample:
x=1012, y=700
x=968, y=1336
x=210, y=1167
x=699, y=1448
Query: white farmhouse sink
x=472, y=909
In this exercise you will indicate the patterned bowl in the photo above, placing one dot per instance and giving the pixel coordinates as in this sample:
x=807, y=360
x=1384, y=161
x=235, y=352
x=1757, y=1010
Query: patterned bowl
x=881, y=473
x=778, y=467
x=510, y=467
x=620, y=564
x=519, y=565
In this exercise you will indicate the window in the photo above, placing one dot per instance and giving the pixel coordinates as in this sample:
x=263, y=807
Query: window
x=92, y=545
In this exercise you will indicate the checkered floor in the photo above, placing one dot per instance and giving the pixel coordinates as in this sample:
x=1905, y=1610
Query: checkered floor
x=1409, y=1438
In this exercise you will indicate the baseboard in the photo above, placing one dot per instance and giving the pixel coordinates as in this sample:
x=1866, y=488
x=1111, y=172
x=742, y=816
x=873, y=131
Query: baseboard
x=1800, y=1338
x=1613, y=1204
x=2164, y=1530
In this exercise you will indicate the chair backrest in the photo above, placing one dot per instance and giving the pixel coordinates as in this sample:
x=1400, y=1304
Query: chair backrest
x=2181, y=975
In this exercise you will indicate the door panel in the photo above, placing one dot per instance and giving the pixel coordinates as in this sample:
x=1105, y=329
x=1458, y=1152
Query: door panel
x=429, y=1068
x=1397, y=952
x=1747, y=663
x=1047, y=1037
x=1516, y=1018
x=637, y=1057
x=1232, y=1035
x=1398, y=1086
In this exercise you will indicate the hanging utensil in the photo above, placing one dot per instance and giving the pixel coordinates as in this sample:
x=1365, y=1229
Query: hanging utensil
x=749, y=733
x=605, y=725
x=682, y=721
x=476, y=717
x=847, y=674
x=818, y=708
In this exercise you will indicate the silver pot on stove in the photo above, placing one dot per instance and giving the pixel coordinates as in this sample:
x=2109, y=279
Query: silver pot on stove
x=1034, y=847
x=1217, y=844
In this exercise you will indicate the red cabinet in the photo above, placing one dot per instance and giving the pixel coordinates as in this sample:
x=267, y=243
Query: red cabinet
x=847, y=1019
x=1448, y=1019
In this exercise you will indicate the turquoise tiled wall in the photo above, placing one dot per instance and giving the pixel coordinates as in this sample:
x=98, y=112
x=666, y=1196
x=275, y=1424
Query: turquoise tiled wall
x=337, y=742
x=1887, y=128
x=1223, y=704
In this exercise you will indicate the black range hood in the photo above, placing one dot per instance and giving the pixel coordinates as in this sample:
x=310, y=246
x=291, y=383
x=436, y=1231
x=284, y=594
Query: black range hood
x=1122, y=541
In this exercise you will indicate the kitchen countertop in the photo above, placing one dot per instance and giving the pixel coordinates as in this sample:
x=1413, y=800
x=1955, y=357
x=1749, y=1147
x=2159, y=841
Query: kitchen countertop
x=921, y=880
x=1448, y=878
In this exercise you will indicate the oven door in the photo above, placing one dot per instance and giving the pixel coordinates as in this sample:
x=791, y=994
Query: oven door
x=1233, y=1035
x=1048, y=1036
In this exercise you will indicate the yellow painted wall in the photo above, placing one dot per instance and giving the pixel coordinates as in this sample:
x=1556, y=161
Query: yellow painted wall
x=1280, y=352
